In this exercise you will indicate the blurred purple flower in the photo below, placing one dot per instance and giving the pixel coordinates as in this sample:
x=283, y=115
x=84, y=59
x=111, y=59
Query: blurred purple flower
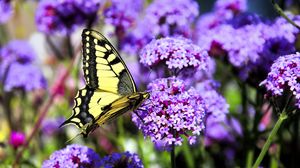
x=207, y=22
x=284, y=75
x=161, y=20
x=135, y=40
x=285, y=29
x=175, y=53
x=123, y=13
x=65, y=15
x=5, y=10
x=225, y=131
x=17, y=69
x=73, y=156
x=234, y=5
x=170, y=112
x=17, y=51
x=17, y=139
x=243, y=19
x=215, y=103
x=272, y=49
x=51, y=126
x=125, y=159
x=250, y=44
x=172, y=19
x=25, y=76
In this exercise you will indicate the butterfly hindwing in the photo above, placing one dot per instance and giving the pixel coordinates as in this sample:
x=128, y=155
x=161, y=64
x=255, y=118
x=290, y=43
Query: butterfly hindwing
x=103, y=67
x=89, y=105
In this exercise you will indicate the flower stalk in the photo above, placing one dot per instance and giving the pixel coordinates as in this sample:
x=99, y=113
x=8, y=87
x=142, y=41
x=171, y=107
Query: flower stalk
x=283, y=116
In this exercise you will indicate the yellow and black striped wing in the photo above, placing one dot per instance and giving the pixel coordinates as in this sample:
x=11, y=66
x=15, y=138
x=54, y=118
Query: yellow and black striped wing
x=110, y=90
x=103, y=67
x=88, y=106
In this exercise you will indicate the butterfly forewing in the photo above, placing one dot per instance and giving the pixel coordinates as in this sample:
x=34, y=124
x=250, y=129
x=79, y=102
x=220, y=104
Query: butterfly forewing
x=103, y=68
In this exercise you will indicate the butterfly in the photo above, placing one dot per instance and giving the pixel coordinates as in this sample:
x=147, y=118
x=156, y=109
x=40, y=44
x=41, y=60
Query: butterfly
x=110, y=90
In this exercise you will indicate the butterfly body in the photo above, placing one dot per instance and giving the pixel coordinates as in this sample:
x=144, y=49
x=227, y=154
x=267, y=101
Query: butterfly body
x=110, y=90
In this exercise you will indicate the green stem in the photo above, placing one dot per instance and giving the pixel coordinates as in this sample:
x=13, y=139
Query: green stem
x=69, y=46
x=141, y=151
x=280, y=11
x=121, y=135
x=173, y=164
x=283, y=116
x=188, y=155
x=249, y=160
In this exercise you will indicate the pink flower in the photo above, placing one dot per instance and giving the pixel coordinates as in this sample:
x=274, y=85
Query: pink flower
x=17, y=139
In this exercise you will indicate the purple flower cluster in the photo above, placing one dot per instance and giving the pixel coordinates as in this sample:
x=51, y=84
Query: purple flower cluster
x=126, y=160
x=170, y=112
x=73, y=156
x=65, y=15
x=5, y=10
x=17, y=69
x=284, y=75
x=161, y=20
x=216, y=105
x=175, y=53
x=123, y=14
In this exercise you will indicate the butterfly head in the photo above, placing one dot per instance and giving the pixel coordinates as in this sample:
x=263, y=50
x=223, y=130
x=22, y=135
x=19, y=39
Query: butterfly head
x=146, y=95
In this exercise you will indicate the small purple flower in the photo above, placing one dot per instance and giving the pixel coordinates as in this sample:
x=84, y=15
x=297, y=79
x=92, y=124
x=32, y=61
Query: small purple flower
x=17, y=139
x=170, y=112
x=175, y=53
x=5, y=10
x=51, y=126
x=17, y=69
x=73, y=156
x=125, y=159
x=123, y=13
x=215, y=103
x=65, y=15
x=284, y=75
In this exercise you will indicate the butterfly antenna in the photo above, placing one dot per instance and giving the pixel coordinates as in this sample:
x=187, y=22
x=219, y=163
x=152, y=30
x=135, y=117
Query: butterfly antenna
x=139, y=116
